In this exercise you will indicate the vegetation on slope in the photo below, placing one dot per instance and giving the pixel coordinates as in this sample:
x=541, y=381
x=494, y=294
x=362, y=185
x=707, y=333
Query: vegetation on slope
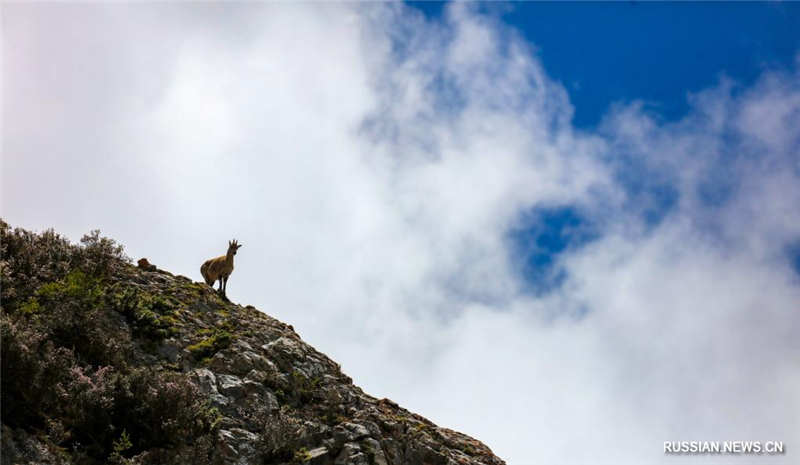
x=68, y=353
x=104, y=362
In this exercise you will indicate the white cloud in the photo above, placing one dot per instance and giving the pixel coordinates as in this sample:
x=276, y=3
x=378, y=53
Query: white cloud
x=372, y=163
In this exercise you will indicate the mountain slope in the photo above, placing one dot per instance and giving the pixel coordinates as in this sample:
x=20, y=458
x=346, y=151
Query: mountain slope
x=106, y=362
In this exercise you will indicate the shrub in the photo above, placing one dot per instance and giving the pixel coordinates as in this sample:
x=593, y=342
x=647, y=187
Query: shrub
x=148, y=315
x=120, y=445
x=301, y=455
x=46, y=387
x=30, y=260
x=282, y=436
x=66, y=373
x=161, y=409
x=72, y=312
x=99, y=255
x=211, y=345
x=303, y=389
x=29, y=363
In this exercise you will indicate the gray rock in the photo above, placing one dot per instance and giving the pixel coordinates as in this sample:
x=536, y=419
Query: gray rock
x=219, y=401
x=374, y=450
x=318, y=456
x=393, y=450
x=262, y=363
x=253, y=387
x=351, y=455
x=169, y=350
x=240, y=345
x=356, y=431
x=237, y=446
x=221, y=363
x=348, y=432
x=205, y=380
x=242, y=362
x=231, y=386
x=374, y=429
x=422, y=453
x=393, y=426
x=285, y=351
x=256, y=375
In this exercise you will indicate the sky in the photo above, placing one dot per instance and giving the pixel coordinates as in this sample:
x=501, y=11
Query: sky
x=657, y=52
x=570, y=231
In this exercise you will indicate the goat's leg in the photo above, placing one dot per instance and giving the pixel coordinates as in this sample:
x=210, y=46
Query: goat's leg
x=220, y=284
x=225, y=286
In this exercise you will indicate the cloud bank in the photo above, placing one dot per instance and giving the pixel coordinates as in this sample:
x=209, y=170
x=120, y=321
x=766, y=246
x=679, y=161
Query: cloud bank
x=388, y=174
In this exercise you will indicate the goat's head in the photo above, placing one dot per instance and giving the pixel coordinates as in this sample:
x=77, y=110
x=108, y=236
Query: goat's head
x=233, y=246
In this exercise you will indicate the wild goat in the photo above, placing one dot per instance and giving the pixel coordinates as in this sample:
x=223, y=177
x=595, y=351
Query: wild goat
x=220, y=268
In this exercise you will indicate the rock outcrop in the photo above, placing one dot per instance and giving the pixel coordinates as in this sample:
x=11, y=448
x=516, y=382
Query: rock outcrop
x=272, y=398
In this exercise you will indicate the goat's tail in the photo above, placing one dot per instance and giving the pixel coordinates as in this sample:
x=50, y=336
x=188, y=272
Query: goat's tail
x=204, y=272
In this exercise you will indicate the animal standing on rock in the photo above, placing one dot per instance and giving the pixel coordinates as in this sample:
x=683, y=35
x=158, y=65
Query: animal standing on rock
x=220, y=268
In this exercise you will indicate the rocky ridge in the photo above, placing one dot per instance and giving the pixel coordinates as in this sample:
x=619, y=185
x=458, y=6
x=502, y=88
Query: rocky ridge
x=272, y=397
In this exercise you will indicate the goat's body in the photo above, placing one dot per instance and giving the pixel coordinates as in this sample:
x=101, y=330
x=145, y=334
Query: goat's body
x=216, y=268
x=219, y=268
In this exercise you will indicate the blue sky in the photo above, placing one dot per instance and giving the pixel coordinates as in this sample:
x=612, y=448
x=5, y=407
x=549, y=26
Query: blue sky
x=605, y=52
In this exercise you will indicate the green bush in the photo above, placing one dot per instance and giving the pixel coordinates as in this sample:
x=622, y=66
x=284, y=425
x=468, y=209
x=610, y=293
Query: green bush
x=66, y=358
x=44, y=385
x=148, y=315
x=211, y=345
x=72, y=312
x=120, y=446
x=29, y=260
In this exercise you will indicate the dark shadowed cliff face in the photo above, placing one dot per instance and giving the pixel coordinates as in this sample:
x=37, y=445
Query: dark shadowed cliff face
x=104, y=362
